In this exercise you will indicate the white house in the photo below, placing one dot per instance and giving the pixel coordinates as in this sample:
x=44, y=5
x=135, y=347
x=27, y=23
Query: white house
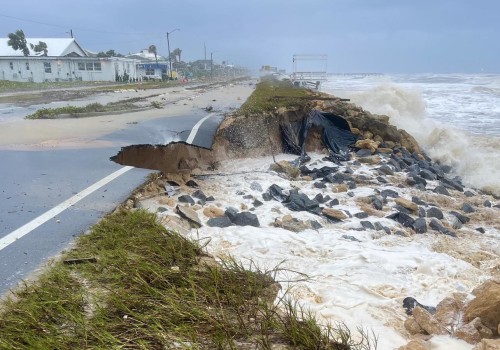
x=65, y=61
x=150, y=67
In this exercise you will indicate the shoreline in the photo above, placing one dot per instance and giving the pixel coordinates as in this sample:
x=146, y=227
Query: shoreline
x=372, y=271
x=448, y=257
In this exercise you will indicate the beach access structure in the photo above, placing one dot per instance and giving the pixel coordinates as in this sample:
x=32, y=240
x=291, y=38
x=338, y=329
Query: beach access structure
x=309, y=70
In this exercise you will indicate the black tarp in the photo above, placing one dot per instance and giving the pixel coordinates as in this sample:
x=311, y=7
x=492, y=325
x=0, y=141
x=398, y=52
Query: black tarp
x=336, y=135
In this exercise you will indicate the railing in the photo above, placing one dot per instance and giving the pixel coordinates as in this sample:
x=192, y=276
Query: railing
x=316, y=76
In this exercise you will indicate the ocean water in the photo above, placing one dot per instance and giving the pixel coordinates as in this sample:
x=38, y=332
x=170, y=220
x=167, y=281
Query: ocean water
x=454, y=117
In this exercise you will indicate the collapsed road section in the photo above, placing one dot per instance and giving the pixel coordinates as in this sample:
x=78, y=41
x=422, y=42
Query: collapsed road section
x=266, y=125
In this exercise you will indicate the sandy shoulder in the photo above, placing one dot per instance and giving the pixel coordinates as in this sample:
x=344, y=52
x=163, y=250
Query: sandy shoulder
x=86, y=132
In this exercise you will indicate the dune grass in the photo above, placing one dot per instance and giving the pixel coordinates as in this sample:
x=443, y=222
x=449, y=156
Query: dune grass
x=76, y=112
x=270, y=95
x=149, y=288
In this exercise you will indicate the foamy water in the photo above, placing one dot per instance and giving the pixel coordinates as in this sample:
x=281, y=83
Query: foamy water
x=361, y=283
x=455, y=118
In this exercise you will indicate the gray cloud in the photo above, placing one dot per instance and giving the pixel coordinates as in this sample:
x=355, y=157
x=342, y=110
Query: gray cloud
x=358, y=35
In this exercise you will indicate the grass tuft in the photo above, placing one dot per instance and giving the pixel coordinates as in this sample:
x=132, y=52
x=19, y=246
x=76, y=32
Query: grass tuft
x=150, y=288
x=75, y=112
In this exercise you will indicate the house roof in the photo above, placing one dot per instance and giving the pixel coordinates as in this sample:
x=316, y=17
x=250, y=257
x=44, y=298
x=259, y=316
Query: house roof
x=145, y=54
x=55, y=47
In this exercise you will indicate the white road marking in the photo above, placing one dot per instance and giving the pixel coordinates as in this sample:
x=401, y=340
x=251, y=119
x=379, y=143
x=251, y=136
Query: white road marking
x=33, y=224
x=194, y=131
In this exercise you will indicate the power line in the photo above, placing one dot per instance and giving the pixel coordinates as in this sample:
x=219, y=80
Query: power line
x=66, y=27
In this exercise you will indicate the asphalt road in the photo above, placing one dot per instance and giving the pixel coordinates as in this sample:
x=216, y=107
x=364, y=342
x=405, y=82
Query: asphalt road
x=35, y=183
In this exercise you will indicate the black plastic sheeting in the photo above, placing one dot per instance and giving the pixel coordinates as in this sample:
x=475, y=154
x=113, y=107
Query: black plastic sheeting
x=337, y=136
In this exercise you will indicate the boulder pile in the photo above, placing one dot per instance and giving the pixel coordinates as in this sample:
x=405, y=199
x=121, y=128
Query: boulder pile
x=476, y=321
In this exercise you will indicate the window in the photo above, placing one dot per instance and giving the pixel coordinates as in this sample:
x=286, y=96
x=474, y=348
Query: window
x=150, y=71
x=47, y=67
x=11, y=65
x=89, y=66
x=27, y=66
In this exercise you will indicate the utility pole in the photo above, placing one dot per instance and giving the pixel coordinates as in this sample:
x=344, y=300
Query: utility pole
x=211, y=66
x=169, y=57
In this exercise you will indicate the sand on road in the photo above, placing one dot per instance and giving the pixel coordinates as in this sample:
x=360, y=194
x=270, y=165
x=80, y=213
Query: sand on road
x=22, y=134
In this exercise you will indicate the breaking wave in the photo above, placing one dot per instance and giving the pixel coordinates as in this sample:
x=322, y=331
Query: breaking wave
x=475, y=158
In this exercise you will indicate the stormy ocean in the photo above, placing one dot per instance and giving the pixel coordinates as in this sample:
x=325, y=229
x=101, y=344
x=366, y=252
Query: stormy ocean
x=455, y=117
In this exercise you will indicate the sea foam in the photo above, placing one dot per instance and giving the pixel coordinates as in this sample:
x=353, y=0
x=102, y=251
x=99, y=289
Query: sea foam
x=475, y=158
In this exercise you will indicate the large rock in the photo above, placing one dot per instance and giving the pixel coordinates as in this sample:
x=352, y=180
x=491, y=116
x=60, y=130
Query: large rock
x=449, y=310
x=486, y=305
x=410, y=303
x=412, y=326
x=300, y=202
x=219, y=222
x=436, y=225
x=290, y=223
x=367, y=144
x=468, y=333
x=468, y=208
x=441, y=190
x=404, y=219
x=276, y=192
x=434, y=212
x=415, y=344
x=246, y=219
x=200, y=195
x=462, y=218
x=186, y=199
x=285, y=168
x=420, y=226
x=405, y=203
x=213, y=212
x=189, y=214
x=176, y=224
x=337, y=215
x=389, y=193
x=428, y=322
x=372, y=160
x=488, y=344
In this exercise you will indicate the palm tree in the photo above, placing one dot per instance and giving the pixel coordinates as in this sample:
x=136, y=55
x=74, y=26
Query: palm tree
x=176, y=55
x=152, y=49
x=178, y=51
x=18, y=41
x=40, y=47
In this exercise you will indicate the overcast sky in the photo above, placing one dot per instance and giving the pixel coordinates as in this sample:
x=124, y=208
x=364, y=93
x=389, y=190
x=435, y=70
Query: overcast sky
x=386, y=36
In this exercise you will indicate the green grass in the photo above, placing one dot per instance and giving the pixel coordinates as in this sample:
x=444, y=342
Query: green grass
x=270, y=95
x=148, y=289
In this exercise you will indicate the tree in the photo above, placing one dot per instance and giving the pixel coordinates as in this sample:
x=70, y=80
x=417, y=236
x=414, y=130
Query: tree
x=152, y=49
x=109, y=53
x=18, y=41
x=40, y=47
x=176, y=53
